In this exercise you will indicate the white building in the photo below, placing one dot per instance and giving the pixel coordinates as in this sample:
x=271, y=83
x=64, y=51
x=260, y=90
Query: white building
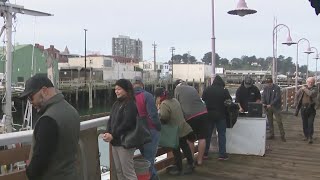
x=190, y=72
x=111, y=69
x=148, y=68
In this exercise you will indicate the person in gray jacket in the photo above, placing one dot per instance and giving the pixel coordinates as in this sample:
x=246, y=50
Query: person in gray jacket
x=271, y=100
x=305, y=101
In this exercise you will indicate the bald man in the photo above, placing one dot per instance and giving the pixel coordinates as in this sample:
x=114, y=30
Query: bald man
x=307, y=97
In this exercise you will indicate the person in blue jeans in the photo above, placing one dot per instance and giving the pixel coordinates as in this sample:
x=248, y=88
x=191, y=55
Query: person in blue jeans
x=215, y=96
x=147, y=108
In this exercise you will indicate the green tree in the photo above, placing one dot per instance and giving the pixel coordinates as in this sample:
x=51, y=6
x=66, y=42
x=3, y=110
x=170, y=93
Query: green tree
x=176, y=59
x=207, y=58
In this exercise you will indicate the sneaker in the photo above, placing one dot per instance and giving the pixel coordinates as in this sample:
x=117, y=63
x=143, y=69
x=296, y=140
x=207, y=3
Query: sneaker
x=283, y=139
x=223, y=158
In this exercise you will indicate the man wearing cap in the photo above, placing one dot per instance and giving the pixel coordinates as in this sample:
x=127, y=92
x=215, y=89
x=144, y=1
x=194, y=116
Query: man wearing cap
x=271, y=100
x=247, y=92
x=147, y=107
x=56, y=133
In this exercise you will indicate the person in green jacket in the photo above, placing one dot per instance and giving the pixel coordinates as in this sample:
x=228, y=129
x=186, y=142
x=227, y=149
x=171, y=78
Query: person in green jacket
x=171, y=114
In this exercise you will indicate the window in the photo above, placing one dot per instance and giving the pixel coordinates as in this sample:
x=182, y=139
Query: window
x=107, y=63
x=20, y=79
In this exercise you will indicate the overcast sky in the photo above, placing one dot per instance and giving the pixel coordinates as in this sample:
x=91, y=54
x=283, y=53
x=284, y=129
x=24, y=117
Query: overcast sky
x=184, y=24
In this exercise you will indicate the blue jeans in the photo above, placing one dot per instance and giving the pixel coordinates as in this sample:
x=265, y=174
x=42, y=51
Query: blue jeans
x=149, y=151
x=221, y=128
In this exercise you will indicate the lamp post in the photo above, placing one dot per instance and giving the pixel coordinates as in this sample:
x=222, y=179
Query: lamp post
x=85, y=57
x=241, y=10
x=300, y=40
x=172, y=52
x=289, y=42
x=316, y=58
x=309, y=51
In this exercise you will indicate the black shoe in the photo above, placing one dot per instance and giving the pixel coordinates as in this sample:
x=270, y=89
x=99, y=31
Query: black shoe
x=310, y=141
x=171, y=167
x=175, y=172
x=189, y=169
x=271, y=137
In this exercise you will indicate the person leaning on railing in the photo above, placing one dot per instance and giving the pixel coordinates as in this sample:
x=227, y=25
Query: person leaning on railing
x=171, y=114
x=56, y=133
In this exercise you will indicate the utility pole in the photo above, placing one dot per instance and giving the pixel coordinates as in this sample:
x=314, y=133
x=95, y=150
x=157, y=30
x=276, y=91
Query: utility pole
x=8, y=12
x=172, y=52
x=85, y=57
x=154, y=56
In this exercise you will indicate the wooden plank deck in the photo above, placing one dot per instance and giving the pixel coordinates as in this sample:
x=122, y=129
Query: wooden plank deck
x=292, y=160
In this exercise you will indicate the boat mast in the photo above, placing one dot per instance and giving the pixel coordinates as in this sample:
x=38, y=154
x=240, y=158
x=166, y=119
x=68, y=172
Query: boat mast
x=8, y=11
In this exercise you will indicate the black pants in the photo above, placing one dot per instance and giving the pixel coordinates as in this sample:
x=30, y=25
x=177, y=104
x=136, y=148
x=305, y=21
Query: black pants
x=186, y=151
x=308, y=114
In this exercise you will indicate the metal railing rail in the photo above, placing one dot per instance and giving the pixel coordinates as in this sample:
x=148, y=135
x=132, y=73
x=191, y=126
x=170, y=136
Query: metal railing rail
x=26, y=136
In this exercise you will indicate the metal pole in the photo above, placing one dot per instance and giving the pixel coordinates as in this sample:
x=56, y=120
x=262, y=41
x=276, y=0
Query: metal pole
x=154, y=56
x=307, y=75
x=172, y=50
x=85, y=57
x=213, y=39
x=8, y=105
x=316, y=69
x=296, y=80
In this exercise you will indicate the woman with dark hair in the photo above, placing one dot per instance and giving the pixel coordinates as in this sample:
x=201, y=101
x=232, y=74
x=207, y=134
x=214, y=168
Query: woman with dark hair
x=171, y=113
x=122, y=120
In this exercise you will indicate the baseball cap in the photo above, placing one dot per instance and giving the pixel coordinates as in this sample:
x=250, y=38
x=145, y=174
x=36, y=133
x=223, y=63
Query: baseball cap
x=269, y=80
x=178, y=81
x=137, y=79
x=35, y=83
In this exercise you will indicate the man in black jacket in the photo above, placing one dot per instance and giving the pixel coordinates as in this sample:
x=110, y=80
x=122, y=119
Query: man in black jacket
x=271, y=99
x=214, y=97
x=247, y=92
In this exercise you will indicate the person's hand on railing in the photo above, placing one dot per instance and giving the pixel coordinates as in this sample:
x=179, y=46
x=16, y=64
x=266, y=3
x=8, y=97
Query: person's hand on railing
x=107, y=137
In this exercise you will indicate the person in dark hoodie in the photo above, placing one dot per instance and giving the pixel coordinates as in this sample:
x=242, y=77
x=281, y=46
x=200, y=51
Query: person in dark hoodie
x=247, y=92
x=147, y=107
x=214, y=96
x=122, y=121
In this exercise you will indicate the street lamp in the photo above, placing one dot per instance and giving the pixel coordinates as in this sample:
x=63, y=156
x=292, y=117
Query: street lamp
x=316, y=58
x=289, y=42
x=172, y=51
x=308, y=51
x=300, y=40
x=85, y=57
x=241, y=10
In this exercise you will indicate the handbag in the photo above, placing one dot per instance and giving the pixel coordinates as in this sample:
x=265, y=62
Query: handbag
x=169, y=136
x=139, y=136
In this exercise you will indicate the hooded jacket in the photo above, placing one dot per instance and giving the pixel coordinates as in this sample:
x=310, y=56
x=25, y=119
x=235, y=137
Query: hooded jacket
x=214, y=97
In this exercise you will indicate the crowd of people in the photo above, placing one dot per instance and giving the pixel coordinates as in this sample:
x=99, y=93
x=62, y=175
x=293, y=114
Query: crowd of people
x=56, y=134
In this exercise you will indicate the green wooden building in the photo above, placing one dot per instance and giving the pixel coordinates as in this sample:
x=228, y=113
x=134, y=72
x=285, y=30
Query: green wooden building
x=22, y=66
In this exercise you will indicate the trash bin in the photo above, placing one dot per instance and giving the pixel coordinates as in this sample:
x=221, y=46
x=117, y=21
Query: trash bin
x=141, y=167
